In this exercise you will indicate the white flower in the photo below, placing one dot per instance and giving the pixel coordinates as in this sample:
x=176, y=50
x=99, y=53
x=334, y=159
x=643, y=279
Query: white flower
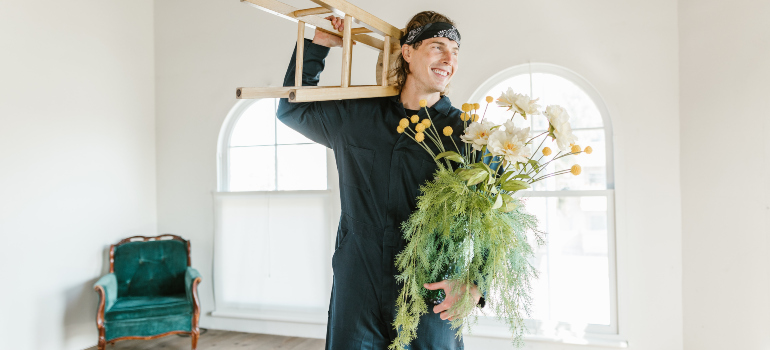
x=521, y=103
x=477, y=134
x=510, y=144
x=562, y=130
x=522, y=133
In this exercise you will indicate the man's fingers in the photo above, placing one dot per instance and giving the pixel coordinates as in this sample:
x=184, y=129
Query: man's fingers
x=441, y=307
x=435, y=285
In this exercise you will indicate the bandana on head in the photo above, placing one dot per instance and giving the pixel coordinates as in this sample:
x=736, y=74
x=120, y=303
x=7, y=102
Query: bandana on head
x=432, y=30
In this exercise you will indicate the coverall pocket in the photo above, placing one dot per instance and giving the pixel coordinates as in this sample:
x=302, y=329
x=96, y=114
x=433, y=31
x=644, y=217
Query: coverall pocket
x=345, y=236
x=357, y=167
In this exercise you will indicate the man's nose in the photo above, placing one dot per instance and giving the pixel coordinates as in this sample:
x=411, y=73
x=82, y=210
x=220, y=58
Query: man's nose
x=447, y=58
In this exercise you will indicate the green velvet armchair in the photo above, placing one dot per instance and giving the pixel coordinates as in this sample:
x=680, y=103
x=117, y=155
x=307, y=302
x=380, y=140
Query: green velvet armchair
x=150, y=292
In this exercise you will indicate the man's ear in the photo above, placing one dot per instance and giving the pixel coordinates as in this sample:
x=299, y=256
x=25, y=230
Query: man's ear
x=406, y=51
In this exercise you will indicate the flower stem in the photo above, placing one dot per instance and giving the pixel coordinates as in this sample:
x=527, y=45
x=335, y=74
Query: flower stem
x=552, y=174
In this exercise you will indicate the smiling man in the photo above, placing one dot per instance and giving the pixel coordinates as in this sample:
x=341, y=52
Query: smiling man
x=380, y=172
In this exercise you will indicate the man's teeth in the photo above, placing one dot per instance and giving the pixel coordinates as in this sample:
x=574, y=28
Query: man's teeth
x=440, y=72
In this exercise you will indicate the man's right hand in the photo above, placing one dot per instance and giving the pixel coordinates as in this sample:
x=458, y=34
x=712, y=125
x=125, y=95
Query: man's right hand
x=330, y=40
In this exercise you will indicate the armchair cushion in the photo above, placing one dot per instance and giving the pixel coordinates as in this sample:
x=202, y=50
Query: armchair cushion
x=144, y=307
x=152, y=268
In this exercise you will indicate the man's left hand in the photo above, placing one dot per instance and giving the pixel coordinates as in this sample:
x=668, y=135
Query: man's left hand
x=452, y=295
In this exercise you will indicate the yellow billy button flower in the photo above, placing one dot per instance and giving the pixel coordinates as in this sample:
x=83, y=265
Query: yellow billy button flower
x=448, y=131
x=575, y=149
x=575, y=170
x=464, y=117
x=476, y=106
x=404, y=123
x=490, y=99
x=400, y=129
x=475, y=117
x=466, y=107
x=419, y=127
x=546, y=151
x=588, y=149
x=423, y=103
x=426, y=122
x=419, y=137
x=415, y=118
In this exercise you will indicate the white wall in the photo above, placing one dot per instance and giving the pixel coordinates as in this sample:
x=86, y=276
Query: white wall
x=725, y=50
x=628, y=50
x=77, y=159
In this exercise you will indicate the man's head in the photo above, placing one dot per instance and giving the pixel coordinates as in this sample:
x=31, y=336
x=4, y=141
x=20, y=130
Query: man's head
x=427, y=60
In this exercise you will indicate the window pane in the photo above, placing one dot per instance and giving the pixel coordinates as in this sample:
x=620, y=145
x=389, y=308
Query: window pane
x=252, y=168
x=302, y=167
x=256, y=126
x=593, y=174
x=553, y=89
x=287, y=135
x=574, y=264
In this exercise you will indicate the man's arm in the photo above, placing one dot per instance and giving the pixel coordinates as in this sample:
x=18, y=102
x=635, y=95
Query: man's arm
x=318, y=121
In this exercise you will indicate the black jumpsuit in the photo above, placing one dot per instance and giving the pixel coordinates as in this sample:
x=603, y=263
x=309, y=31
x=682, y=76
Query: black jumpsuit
x=380, y=172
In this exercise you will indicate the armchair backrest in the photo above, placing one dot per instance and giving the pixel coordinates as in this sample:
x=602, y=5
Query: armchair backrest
x=150, y=266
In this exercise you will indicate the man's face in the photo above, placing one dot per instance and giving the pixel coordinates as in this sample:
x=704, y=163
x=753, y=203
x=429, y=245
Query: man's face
x=433, y=64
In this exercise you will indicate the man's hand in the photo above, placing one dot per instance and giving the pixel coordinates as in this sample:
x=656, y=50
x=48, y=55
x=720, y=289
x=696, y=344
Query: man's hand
x=452, y=295
x=330, y=40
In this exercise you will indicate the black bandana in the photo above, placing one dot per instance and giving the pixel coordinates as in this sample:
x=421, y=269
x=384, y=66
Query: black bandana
x=431, y=30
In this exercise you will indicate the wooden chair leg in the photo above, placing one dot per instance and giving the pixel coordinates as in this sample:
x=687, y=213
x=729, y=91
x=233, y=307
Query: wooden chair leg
x=195, y=335
x=102, y=344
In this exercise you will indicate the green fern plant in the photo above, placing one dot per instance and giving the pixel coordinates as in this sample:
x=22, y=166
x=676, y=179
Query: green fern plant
x=455, y=229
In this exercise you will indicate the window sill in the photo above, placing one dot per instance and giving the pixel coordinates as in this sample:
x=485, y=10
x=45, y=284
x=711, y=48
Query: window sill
x=276, y=193
x=317, y=317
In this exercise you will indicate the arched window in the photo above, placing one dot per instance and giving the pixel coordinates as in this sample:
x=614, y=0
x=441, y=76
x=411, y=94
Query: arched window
x=577, y=286
x=259, y=153
x=273, y=218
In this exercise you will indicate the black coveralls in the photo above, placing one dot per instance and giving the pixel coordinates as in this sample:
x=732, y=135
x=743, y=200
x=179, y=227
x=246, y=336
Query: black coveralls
x=380, y=172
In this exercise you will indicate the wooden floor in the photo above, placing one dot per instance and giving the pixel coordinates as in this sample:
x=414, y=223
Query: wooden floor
x=221, y=340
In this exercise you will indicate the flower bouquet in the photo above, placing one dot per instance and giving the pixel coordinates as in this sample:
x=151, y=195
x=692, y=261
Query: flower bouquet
x=469, y=226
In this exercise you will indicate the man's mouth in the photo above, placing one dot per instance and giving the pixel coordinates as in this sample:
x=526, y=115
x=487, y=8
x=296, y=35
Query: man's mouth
x=440, y=72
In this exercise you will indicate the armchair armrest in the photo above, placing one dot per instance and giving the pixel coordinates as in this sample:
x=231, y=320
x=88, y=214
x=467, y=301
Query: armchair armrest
x=191, y=279
x=107, y=287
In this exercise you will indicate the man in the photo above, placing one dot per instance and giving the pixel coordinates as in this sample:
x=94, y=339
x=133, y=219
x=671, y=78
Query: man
x=380, y=171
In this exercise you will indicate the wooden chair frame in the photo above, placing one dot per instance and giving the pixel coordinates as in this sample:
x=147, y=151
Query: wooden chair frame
x=369, y=24
x=194, y=334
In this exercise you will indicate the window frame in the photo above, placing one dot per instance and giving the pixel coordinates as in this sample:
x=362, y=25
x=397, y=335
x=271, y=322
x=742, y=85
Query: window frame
x=538, y=327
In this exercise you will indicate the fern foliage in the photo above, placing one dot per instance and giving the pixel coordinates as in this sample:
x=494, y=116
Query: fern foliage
x=458, y=231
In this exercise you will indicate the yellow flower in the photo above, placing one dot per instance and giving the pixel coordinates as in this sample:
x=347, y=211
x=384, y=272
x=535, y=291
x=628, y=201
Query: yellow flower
x=419, y=127
x=476, y=106
x=546, y=151
x=466, y=107
x=588, y=149
x=426, y=122
x=490, y=99
x=400, y=129
x=575, y=149
x=419, y=137
x=464, y=117
x=475, y=117
x=415, y=118
x=423, y=103
x=404, y=123
x=448, y=131
x=575, y=170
